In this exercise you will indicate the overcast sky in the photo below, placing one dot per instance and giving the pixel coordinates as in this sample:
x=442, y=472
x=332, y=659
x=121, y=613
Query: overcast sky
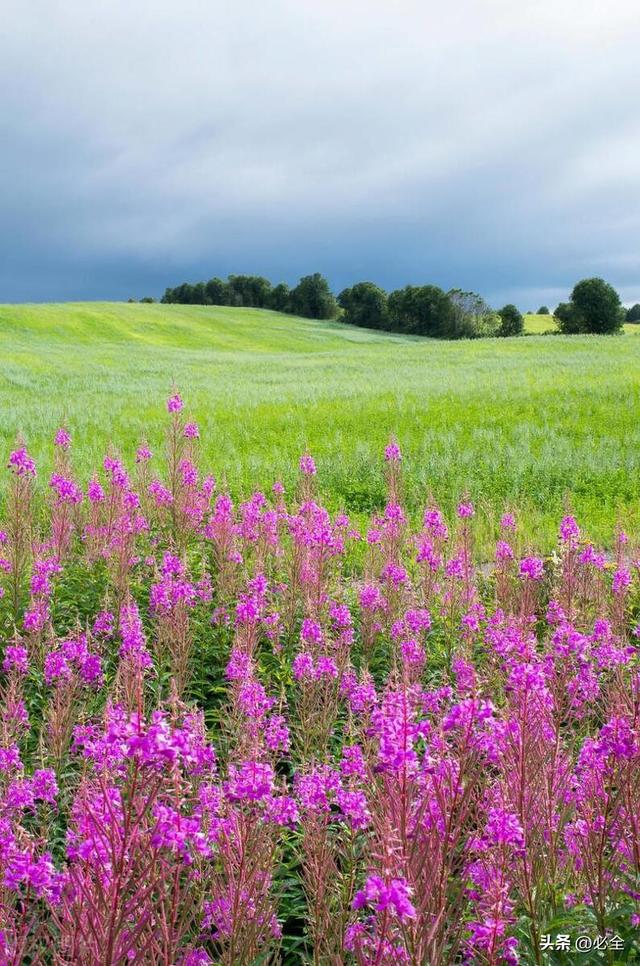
x=492, y=145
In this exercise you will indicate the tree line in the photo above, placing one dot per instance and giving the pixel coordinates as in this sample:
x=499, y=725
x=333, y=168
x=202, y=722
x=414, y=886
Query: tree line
x=310, y=298
x=414, y=310
x=427, y=310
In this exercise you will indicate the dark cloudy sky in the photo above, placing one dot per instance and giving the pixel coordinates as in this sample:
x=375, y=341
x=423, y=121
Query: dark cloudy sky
x=492, y=145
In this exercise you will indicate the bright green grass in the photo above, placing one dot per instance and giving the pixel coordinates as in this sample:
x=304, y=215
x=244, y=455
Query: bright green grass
x=513, y=421
x=539, y=324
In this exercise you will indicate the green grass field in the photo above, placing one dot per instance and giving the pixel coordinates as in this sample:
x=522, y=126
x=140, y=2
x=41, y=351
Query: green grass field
x=527, y=422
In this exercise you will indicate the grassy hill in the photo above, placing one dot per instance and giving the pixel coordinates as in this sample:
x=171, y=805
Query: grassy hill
x=517, y=421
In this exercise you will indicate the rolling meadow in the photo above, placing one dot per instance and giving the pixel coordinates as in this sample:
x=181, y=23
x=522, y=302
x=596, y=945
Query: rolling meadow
x=533, y=422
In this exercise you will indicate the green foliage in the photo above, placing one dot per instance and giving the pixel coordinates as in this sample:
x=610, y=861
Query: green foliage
x=566, y=319
x=595, y=307
x=421, y=310
x=217, y=291
x=543, y=310
x=511, y=321
x=472, y=317
x=633, y=314
x=366, y=305
x=312, y=298
x=279, y=299
x=250, y=290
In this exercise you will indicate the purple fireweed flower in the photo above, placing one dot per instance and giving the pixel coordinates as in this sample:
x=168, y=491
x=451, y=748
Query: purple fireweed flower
x=618, y=739
x=326, y=667
x=132, y=633
x=590, y=556
x=434, y=522
x=16, y=658
x=503, y=828
x=532, y=568
x=317, y=789
x=391, y=896
x=21, y=463
x=62, y=438
x=44, y=785
x=250, y=781
x=465, y=510
x=621, y=581
x=504, y=551
x=95, y=493
x=282, y=810
x=392, y=453
x=104, y=624
x=307, y=465
x=143, y=454
x=67, y=490
x=191, y=431
x=311, y=632
x=353, y=764
x=303, y=666
x=160, y=493
x=395, y=574
x=276, y=733
x=508, y=522
x=174, y=403
x=569, y=530
x=354, y=807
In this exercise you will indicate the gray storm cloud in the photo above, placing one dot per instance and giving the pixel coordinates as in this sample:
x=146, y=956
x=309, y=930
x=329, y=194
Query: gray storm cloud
x=484, y=144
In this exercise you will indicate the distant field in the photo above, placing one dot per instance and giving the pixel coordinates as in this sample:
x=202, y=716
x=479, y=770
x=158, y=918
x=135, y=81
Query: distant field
x=523, y=422
x=538, y=324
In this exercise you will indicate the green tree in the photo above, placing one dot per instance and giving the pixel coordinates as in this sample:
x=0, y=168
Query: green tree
x=217, y=291
x=279, y=298
x=566, y=318
x=511, y=321
x=421, y=310
x=365, y=304
x=249, y=290
x=199, y=294
x=595, y=307
x=633, y=314
x=543, y=310
x=312, y=298
x=182, y=294
x=472, y=316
